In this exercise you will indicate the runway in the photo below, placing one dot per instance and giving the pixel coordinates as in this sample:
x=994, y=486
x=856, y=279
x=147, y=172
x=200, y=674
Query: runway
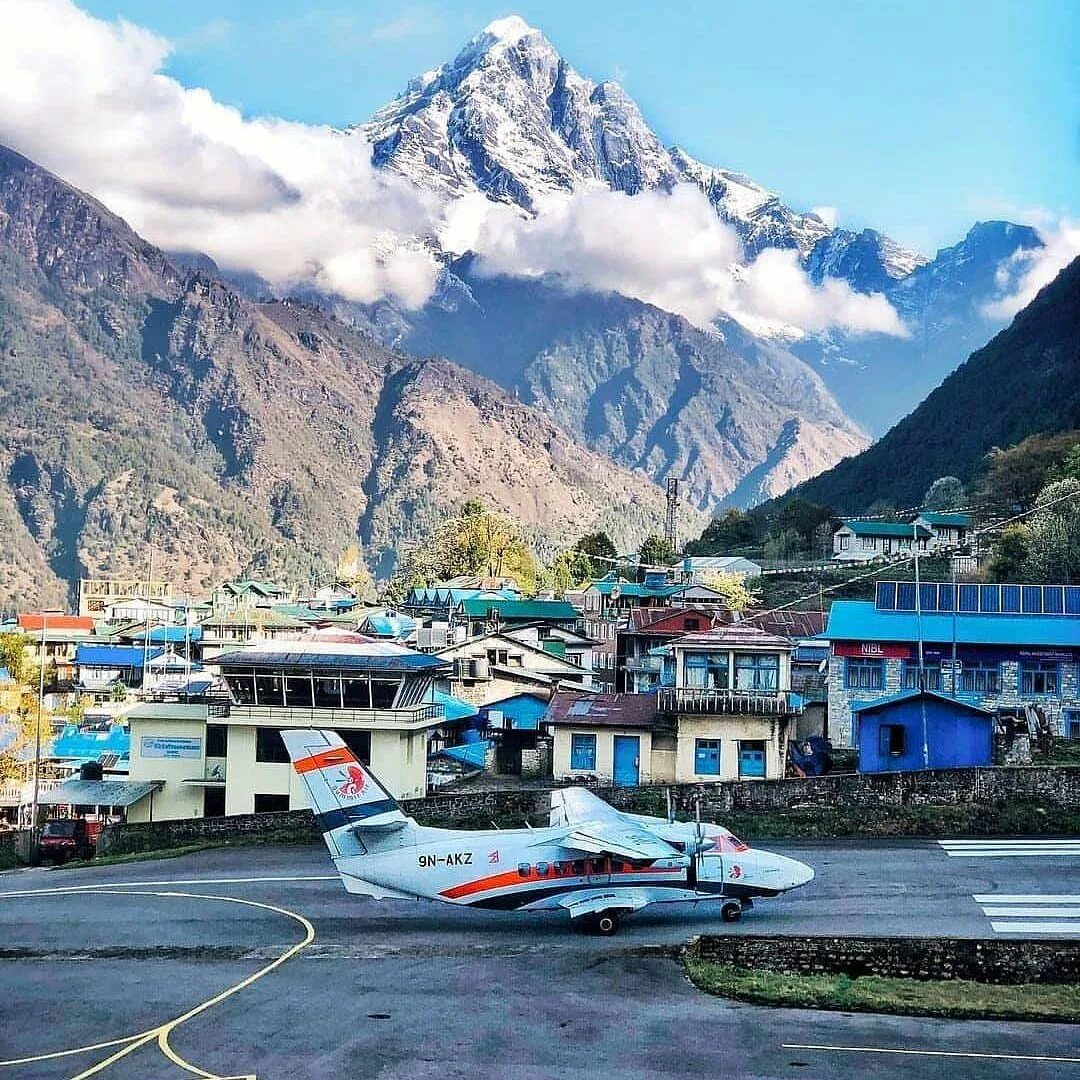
x=254, y=961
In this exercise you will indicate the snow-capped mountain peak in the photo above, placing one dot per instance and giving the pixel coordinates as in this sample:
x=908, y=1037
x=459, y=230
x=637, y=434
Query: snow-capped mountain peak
x=509, y=118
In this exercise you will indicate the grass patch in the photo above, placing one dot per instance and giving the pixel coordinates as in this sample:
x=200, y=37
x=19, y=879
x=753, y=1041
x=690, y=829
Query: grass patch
x=954, y=998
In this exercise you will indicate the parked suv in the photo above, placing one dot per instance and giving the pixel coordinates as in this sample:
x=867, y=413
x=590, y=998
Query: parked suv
x=66, y=838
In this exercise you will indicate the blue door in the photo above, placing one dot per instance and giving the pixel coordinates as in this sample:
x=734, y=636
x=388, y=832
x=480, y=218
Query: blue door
x=627, y=760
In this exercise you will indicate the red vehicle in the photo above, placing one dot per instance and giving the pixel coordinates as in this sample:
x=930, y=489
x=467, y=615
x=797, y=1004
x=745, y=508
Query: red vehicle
x=66, y=838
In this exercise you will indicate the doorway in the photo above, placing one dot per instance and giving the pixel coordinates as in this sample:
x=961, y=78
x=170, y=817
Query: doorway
x=627, y=766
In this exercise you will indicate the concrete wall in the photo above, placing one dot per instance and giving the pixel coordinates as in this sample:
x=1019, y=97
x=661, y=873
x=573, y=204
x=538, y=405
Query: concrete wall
x=730, y=730
x=605, y=752
x=992, y=961
x=176, y=799
x=841, y=698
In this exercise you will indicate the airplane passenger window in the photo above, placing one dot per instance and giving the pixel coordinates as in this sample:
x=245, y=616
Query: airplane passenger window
x=541, y=868
x=524, y=869
x=578, y=866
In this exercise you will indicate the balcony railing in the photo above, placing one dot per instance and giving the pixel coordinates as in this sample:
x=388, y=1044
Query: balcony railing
x=651, y=665
x=305, y=717
x=744, y=702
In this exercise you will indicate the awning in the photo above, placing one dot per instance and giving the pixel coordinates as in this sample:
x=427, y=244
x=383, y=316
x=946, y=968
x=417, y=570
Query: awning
x=99, y=792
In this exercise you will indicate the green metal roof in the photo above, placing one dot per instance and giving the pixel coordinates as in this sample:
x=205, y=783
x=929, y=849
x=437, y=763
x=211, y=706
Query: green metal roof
x=957, y=521
x=887, y=528
x=632, y=588
x=521, y=610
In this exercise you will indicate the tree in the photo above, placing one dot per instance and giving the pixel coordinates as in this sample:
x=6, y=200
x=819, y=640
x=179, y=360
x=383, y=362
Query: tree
x=655, y=551
x=570, y=570
x=13, y=655
x=732, y=529
x=803, y=517
x=737, y=594
x=783, y=545
x=353, y=573
x=1011, y=554
x=600, y=549
x=23, y=729
x=1055, y=534
x=945, y=493
x=1015, y=476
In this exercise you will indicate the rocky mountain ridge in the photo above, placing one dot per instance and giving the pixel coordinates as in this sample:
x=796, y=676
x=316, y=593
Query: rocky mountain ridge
x=142, y=406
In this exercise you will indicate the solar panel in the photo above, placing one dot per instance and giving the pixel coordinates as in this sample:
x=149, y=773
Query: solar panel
x=979, y=599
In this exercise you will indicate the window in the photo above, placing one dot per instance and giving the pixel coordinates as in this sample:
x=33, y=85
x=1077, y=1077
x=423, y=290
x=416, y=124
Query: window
x=270, y=804
x=845, y=541
x=757, y=671
x=931, y=676
x=214, y=802
x=692, y=624
x=863, y=674
x=359, y=742
x=1038, y=677
x=979, y=679
x=707, y=671
x=524, y=869
x=1070, y=723
x=270, y=747
x=582, y=752
x=893, y=739
x=707, y=757
x=217, y=742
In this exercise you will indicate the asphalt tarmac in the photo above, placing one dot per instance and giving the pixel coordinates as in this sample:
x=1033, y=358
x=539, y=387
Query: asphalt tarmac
x=255, y=962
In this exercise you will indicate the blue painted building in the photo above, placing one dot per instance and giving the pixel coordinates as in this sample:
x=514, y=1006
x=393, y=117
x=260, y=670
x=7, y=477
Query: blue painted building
x=998, y=647
x=890, y=733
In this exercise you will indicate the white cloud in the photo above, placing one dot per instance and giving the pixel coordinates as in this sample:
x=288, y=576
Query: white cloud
x=829, y=214
x=670, y=250
x=1025, y=272
x=292, y=202
x=298, y=203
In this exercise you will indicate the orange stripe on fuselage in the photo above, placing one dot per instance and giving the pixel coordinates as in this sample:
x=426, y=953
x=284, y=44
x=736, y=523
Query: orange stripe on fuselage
x=338, y=755
x=513, y=877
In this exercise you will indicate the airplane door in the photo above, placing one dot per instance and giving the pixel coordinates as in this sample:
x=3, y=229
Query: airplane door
x=627, y=770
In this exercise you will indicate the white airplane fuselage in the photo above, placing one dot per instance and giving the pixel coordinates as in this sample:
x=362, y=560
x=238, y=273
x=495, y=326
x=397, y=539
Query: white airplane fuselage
x=531, y=869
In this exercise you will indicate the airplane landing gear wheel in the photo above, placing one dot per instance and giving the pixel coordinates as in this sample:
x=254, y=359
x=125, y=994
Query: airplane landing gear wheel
x=606, y=923
x=731, y=911
x=602, y=923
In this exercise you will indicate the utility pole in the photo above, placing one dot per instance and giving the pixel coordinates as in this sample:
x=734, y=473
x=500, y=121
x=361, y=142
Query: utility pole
x=37, y=746
x=919, y=636
x=671, y=531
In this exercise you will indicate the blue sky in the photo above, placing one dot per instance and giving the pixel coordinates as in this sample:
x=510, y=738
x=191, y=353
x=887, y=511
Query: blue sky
x=914, y=117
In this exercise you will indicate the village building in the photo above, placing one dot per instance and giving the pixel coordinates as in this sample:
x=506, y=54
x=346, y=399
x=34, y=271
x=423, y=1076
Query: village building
x=496, y=666
x=697, y=569
x=950, y=530
x=727, y=715
x=96, y=594
x=224, y=754
x=999, y=647
x=862, y=541
x=639, y=643
x=483, y=616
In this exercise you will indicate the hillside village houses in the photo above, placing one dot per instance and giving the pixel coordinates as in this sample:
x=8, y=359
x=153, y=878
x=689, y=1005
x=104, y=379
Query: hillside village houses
x=624, y=681
x=860, y=540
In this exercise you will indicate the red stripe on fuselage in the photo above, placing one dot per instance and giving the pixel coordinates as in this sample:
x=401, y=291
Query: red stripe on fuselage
x=338, y=755
x=513, y=877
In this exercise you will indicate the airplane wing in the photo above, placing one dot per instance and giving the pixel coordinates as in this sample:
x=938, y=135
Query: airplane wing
x=592, y=901
x=616, y=838
x=571, y=806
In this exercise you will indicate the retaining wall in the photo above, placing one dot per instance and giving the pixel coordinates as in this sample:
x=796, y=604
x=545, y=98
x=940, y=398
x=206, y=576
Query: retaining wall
x=1042, y=786
x=991, y=961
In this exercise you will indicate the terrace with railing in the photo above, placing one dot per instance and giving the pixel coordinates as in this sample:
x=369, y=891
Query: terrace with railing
x=709, y=701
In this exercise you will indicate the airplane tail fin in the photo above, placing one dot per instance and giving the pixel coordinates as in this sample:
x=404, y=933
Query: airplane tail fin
x=349, y=803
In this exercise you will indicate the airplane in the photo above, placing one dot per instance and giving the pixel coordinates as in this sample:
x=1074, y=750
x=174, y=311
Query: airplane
x=593, y=861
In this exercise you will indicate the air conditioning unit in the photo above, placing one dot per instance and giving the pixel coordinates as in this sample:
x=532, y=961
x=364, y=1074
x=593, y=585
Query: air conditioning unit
x=481, y=668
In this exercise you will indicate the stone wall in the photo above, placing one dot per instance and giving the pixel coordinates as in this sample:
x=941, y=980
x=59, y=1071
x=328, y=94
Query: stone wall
x=1042, y=786
x=992, y=961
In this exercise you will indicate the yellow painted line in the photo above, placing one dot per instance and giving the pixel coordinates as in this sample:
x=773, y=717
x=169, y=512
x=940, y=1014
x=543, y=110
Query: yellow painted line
x=161, y=1032
x=932, y=1053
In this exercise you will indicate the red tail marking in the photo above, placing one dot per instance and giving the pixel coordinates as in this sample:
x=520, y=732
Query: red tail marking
x=338, y=755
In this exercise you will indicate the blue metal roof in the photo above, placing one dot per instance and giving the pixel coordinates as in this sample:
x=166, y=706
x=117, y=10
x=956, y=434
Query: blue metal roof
x=859, y=620
x=474, y=753
x=173, y=635
x=75, y=743
x=351, y=661
x=455, y=708
x=113, y=656
x=523, y=711
x=910, y=695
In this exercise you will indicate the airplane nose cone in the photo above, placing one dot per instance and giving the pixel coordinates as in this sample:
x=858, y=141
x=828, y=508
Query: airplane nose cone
x=792, y=873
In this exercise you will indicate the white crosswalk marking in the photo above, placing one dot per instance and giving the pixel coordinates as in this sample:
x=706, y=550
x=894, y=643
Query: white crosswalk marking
x=1032, y=915
x=999, y=849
